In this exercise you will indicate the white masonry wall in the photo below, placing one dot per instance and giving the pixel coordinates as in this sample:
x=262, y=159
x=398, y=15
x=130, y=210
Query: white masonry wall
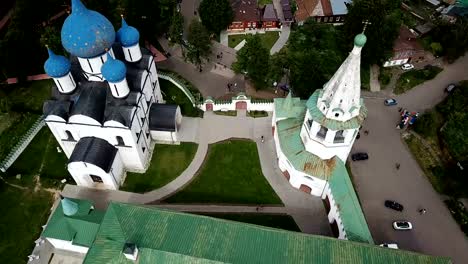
x=81, y=171
x=67, y=245
x=65, y=84
x=92, y=66
x=334, y=214
x=132, y=53
x=232, y=106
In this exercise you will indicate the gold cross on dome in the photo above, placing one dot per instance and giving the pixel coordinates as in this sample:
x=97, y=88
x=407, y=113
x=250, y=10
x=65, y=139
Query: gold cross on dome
x=365, y=22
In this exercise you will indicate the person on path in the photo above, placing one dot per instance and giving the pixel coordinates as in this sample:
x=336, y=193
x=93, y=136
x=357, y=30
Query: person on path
x=366, y=132
x=263, y=139
x=397, y=166
x=422, y=211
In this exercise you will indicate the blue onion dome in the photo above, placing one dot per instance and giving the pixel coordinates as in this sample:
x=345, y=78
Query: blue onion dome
x=86, y=33
x=113, y=70
x=56, y=65
x=127, y=35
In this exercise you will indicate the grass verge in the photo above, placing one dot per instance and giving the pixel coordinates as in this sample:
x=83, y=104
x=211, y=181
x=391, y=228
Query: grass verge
x=256, y=113
x=230, y=174
x=23, y=214
x=459, y=213
x=268, y=39
x=285, y=222
x=173, y=95
x=413, y=78
x=226, y=113
x=385, y=75
x=168, y=162
x=234, y=40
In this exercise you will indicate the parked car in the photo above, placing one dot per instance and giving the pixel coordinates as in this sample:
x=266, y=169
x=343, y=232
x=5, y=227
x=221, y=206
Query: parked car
x=359, y=156
x=407, y=66
x=393, y=205
x=394, y=246
x=390, y=102
x=450, y=88
x=402, y=225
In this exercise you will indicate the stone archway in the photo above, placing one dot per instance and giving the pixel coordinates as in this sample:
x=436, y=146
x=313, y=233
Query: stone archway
x=241, y=105
x=305, y=188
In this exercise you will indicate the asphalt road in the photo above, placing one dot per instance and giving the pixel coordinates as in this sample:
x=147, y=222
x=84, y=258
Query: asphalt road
x=377, y=179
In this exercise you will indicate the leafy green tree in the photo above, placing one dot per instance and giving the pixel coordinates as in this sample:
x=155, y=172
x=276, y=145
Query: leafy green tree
x=384, y=17
x=216, y=15
x=279, y=65
x=436, y=48
x=176, y=29
x=199, y=47
x=452, y=37
x=50, y=37
x=253, y=59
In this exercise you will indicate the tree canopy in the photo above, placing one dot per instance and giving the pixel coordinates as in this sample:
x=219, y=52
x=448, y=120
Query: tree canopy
x=453, y=38
x=313, y=54
x=176, y=29
x=253, y=59
x=384, y=17
x=199, y=43
x=216, y=15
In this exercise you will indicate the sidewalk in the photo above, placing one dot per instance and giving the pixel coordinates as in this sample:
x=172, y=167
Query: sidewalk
x=279, y=44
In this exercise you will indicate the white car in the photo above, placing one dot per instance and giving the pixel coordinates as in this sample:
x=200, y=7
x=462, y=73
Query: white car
x=385, y=245
x=407, y=66
x=402, y=225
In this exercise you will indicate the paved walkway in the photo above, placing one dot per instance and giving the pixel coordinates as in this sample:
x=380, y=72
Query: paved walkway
x=283, y=38
x=435, y=233
x=307, y=211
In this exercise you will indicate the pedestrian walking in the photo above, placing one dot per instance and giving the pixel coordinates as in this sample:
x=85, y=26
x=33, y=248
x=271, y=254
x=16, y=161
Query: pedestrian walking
x=366, y=132
x=397, y=166
x=263, y=139
x=422, y=211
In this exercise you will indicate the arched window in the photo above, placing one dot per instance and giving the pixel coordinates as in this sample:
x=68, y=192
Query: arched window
x=120, y=141
x=69, y=136
x=95, y=178
x=339, y=137
x=322, y=132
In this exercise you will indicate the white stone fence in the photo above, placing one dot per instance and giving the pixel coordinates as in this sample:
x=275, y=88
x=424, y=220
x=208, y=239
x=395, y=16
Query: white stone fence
x=241, y=101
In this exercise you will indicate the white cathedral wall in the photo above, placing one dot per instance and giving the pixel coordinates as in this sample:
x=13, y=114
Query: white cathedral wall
x=81, y=171
x=297, y=178
x=334, y=214
x=165, y=137
x=119, y=89
x=65, y=84
x=154, y=79
x=132, y=53
x=67, y=245
x=92, y=66
x=58, y=129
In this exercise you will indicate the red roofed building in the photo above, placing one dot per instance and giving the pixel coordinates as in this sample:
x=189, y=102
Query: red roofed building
x=406, y=48
x=247, y=15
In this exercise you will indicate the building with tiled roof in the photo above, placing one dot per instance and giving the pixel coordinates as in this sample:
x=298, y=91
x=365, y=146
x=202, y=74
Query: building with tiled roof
x=406, y=48
x=322, y=11
x=127, y=233
x=103, y=109
x=313, y=139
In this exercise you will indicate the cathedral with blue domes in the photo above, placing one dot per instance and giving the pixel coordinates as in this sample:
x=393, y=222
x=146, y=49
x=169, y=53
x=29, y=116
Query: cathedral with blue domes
x=106, y=109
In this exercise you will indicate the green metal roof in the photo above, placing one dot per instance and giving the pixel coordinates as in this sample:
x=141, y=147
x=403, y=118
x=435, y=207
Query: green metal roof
x=292, y=146
x=319, y=117
x=350, y=211
x=80, y=228
x=289, y=107
x=172, y=237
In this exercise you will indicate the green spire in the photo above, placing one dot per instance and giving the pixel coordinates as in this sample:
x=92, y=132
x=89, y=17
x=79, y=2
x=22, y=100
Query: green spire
x=360, y=40
x=68, y=206
x=287, y=104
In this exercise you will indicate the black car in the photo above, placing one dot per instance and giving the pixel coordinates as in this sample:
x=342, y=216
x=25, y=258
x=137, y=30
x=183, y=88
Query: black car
x=393, y=205
x=359, y=156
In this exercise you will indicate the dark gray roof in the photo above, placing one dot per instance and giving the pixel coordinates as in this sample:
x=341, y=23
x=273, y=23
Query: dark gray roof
x=58, y=108
x=95, y=151
x=122, y=114
x=163, y=117
x=91, y=101
x=269, y=13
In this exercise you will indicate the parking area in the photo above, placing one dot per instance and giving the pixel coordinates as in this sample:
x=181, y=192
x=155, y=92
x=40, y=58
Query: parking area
x=378, y=179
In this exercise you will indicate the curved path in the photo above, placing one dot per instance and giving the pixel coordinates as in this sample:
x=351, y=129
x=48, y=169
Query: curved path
x=307, y=211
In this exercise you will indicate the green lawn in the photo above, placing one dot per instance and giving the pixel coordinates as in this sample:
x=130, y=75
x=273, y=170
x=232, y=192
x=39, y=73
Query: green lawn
x=234, y=40
x=173, y=95
x=413, y=78
x=256, y=113
x=43, y=149
x=168, y=162
x=19, y=125
x=285, y=222
x=230, y=174
x=264, y=2
x=27, y=97
x=226, y=113
x=365, y=78
x=385, y=75
x=459, y=213
x=23, y=214
x=268, y=39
